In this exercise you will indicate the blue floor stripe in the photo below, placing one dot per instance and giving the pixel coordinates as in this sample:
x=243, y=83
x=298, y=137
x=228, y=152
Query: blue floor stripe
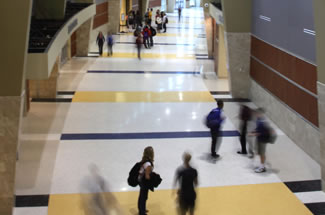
x=142, y=72
x=149, y=135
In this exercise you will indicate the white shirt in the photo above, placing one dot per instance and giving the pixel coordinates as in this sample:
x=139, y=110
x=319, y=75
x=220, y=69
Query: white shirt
x=143, y=168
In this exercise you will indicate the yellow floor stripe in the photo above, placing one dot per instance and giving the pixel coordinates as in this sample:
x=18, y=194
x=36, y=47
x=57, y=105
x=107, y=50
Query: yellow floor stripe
x=257, y=199
x=151, y=55
x=100, y=96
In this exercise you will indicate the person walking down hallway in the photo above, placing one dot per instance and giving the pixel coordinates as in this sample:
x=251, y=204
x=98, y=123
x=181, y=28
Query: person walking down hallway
x=110, y=42
x=179, y=13
x=138, y=43
x=245, y=116
x=144, y=174
x=214, y=122
x=100, y=42
x=187, y=178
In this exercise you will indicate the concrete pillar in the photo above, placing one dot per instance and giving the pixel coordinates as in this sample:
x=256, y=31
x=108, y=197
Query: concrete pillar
x=83, y=38
x=237, y=15
x=170, y=6
x=14, y=25
x=114, y=7
x=319, y=16
x=222, y=56
x=46, y=88
x=209, y=34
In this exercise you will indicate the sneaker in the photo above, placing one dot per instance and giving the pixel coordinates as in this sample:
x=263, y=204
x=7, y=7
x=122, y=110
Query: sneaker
x=260, y=169
x=215, y=155
x=251, y=156
x=242, y=153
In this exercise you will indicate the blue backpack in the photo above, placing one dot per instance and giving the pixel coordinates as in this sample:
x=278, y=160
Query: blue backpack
x=110, y=40
x=214, y=119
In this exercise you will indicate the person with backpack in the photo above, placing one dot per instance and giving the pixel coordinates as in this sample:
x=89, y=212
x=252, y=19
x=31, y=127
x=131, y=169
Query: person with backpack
x=158, y=21
x=146, y=35
x=187, y=177
x=245, y=116
x=110, y=43
x=100, y=42
x=164, y=21
x=214, y=121
x=264, y=134
x=144, y=174
x=153, y=33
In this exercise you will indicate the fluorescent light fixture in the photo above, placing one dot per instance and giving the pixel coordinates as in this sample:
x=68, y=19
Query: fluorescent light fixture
x=268, y=19
x=311, y=32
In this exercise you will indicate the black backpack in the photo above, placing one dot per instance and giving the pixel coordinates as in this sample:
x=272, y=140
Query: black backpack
x=166, y=20
x=134, y=174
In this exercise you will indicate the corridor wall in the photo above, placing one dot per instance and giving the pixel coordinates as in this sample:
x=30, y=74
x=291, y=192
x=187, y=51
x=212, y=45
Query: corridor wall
x=283, y=68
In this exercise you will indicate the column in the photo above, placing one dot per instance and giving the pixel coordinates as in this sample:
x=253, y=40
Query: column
x=46, y=88
x=222, y=61
x=15, y=15
x=170, y=6
x=237, y=15
x=319, y=16
x=209, y=33
x=114, y=7
x=83, y=38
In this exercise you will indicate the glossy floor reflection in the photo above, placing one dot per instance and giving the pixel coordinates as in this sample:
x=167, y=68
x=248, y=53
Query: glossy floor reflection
x=119, y=105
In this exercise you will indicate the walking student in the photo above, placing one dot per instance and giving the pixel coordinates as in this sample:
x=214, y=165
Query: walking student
x=144, y=174
x=146, y=35
x=100, y=42
x=110, y=42
x=150, y=17
x=139, y=42
x=158, y=21
x=187, y=178
x=262, y=136
x=153, y=33
x=214, y=122
x=179, y=13
x=245, y=116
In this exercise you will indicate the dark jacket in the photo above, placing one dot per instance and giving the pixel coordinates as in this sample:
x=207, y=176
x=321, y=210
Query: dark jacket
x=153, y=182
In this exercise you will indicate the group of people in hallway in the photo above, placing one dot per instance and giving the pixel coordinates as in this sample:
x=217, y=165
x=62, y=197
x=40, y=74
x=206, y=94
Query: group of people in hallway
x=252, y=126
x=187, y=176
x=143, y=31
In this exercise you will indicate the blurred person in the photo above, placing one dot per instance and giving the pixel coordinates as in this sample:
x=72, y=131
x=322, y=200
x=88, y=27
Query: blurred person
x=139, y=42
x=110, y=43
x=146, y=16
x=187, y=178
x=245, y=115
x=138, y=19
x=99, y=201
x=158, y=21
x=144, y=174
x=150, y=17
x=179, y=13
x=214, y=121
x=261, y=139
x=164, y=21
x=100, y=42
x=146, y=35
x=153, y=33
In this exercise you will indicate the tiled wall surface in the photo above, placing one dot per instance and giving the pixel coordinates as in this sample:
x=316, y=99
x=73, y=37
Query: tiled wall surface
x=290, y=79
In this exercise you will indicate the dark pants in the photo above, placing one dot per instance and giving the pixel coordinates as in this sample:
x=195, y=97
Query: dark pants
x=151, y=41
x=143, y=196
x=146, y=42
x=110, y=49
x=243, y=133
x=100, y=47
x=215, y=133
x=139, y=50
x=165, y=27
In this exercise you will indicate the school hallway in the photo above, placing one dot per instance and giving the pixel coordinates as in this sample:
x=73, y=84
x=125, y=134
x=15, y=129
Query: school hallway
x=108, y=109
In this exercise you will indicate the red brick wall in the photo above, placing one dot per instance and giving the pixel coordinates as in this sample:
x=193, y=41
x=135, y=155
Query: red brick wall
x=101, y=16
x=296, y=70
